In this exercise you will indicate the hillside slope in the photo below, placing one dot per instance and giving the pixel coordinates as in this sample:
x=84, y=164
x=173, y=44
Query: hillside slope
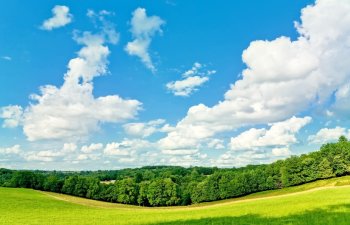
x=321, y=202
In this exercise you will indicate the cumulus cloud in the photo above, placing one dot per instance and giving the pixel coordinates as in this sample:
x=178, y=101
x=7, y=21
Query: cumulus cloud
x=234, y=159
x=325, y=135
x=279, y=134
x=60, y=17
x=130, y=150
x=12, y=116
x=192, y=80
x=187, y=160
x=281, y=152
x=180, y=151
x=283, y=77
x=16, y=149
x=144, y=129
x=43, y=156
x=127, y=147
x=69, y=147
x=143, y=28
x=256, y=146
x=92, y=147
x=341, y=106
x=51, y=155
x=216, y=144
x=71, y=112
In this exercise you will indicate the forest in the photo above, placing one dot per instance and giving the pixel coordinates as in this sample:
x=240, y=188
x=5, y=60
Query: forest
x=173, y=185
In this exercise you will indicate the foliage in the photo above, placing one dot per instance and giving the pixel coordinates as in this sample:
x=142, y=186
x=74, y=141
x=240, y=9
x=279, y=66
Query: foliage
x=25, y=206
x=173, y=185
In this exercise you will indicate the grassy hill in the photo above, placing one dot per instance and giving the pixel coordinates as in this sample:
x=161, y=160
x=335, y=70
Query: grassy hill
x=320, y=202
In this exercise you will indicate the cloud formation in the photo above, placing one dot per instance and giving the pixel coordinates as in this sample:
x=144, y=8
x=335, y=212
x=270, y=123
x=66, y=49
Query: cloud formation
x=60, y=17
x=325, y=135
x=144, y=129
x=51, y=155
x=143, y=28
x=16, y=149
x=71, y=112
x=281, y=152
x=12, y=116
x=92, y=147
x=278, y=135
x=192, y=80
x=283, y=77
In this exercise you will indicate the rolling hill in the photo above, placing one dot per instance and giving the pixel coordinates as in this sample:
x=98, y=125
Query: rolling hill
x=320, y=202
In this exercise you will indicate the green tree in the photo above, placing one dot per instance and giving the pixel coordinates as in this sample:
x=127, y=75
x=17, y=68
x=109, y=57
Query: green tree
x=163, y=192
x=69, y=185
x=325, y=169
x=127, y=191
x=143, y=191
x=94, y=188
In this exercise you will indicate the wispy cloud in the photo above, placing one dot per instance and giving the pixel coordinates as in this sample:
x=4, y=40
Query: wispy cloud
x=143, y=28
x=7, y=58
x=192, y=80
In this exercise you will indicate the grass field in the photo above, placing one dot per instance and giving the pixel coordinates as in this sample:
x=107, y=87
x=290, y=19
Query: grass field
x=321, y=202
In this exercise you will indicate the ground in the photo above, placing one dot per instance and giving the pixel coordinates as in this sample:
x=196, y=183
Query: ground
x=321, y=202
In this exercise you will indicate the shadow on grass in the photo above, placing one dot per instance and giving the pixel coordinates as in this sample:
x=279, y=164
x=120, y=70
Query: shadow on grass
x=337, y=215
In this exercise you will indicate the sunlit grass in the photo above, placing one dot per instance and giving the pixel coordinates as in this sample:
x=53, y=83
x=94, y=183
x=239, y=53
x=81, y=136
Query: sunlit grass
x=305, y=204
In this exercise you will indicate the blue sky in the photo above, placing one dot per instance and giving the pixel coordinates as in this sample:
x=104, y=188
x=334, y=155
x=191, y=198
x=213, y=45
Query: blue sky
x=106, y=85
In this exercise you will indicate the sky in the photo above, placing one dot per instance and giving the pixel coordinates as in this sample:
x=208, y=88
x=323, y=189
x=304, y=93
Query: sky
x=106, y=84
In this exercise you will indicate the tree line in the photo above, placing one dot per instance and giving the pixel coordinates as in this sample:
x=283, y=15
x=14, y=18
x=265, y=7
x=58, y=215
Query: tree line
x=173, y=185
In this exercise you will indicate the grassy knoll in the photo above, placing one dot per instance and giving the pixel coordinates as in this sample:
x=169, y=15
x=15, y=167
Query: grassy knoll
x=321, y=202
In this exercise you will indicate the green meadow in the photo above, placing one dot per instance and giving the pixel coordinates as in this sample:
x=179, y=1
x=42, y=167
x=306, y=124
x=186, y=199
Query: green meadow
x=320, y=202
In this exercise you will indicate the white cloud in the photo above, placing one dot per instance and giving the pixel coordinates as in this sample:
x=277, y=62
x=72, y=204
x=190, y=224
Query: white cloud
x=193, y=71
x=71, y=112
x=65, y=152
x=92, y=147
x=325, y=135
x=232, y=159
x=127, y=147
x=281, y=152
x=341, y=106
x=82, y=157
x=283, y=77
x=60, y=17
x=187, y=86
x=69, y=147
x=87, y=156
x=16, y=149
x=43, y=156
x=329, y=113
x=279, y=134
x=180, y=152
x=193, y=79
x=216, y=144
x=143, y=28
x=12, y=116
x=144, y=129
x=187, y=160
x=99, y=19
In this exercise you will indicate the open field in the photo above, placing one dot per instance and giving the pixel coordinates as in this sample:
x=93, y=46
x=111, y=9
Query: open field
x=321, y=202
